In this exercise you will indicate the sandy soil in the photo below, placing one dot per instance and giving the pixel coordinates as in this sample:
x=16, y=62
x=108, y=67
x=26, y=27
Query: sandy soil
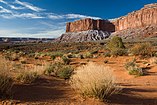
x=52, y=91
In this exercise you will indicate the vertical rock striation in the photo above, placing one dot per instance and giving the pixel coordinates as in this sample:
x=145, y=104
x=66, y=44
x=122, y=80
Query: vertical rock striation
x=90, y=24
x=141, y=18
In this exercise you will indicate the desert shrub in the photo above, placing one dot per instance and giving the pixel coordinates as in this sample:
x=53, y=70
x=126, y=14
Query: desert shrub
x=53, y=68
x=143, y=49
x=66, y=60
x=59, y=70
x=94, y=80
x=133, y=68
x=116, y=46
x=56, y=54
x=6, y=84
x=88, y=55
x=27, y=77
x=65, y=72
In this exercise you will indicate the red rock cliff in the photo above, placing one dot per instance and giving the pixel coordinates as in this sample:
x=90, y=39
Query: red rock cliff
x=144, y=17
x=90, y=24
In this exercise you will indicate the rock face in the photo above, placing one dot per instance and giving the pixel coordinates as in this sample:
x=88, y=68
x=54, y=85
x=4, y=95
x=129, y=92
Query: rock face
x=90, y=35
x=141, y=18
x=90, y=24
x=141, y=23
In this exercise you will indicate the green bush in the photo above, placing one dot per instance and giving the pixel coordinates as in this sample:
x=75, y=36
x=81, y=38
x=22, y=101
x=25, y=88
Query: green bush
x=59, y=70
x=116, y=46
x=56, y=54
x=88, y=55
x=53, y=68
x=65, y=72
x=27, y=77
x=6, y=84
x=115, y=42
x=66, y=60
x=136, y=71
x=133, y=68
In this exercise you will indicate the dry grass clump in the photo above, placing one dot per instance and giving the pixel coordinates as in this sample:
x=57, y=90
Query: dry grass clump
x=29, y=75
x=143, y=49
x=94, y=80
x=6, y=81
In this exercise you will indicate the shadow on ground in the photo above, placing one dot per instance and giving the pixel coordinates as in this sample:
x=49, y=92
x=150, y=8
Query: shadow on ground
x=127, y=97
x=43, y=90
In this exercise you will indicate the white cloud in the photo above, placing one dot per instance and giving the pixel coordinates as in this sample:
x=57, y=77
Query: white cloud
x=27, y=15
x=44, y=34
x=2, y=1
x=29, y=6
x=54, y=16
x=16, y=8
x=11, y=15
x=69, y=16
x=12, y=6
x=25, y=5
x=4, y=10
x=76, y=16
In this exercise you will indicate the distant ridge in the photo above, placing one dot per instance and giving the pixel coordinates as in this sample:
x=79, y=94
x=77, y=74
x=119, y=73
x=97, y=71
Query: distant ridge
x=18, y=39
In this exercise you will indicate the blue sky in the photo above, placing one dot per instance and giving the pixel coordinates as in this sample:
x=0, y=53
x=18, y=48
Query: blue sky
x=47, y=18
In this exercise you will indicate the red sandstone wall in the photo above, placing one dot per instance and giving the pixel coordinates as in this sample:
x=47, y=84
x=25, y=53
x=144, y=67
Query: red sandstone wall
x=89, y=24
x=144, y=17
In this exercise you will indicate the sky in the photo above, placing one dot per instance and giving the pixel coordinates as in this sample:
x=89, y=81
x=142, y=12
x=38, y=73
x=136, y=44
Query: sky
x=47, y=18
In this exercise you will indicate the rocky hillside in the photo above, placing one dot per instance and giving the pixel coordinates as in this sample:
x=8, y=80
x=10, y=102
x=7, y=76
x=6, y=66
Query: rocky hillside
x=141, y=23
x=140, y=33
x=90, y=35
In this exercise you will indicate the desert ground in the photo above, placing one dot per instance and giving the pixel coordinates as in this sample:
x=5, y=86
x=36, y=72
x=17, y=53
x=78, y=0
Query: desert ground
x=52, y=90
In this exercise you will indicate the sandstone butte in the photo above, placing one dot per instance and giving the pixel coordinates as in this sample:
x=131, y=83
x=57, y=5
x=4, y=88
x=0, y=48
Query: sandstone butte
x=141, y=18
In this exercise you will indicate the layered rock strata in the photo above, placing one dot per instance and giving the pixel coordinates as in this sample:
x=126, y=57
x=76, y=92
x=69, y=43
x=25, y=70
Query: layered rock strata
x=90, y=35
x=90, y=24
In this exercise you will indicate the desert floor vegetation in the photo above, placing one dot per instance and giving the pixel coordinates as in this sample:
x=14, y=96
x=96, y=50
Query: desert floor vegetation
x=62, y=71
x=94, y=80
